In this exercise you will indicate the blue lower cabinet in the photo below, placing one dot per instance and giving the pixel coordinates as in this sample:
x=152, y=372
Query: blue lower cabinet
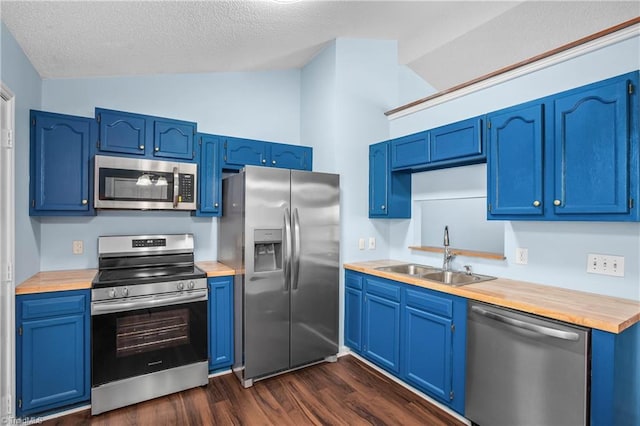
x=52, y=351
x=417, y=334
x=434, y=344
x=220, y=322
x=382, y=331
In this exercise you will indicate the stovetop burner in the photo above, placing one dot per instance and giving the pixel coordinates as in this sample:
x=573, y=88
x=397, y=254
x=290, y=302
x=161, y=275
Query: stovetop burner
x=136, y=276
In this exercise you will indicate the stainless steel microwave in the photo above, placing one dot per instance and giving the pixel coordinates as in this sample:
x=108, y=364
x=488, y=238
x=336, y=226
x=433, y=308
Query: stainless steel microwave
x=140, y=184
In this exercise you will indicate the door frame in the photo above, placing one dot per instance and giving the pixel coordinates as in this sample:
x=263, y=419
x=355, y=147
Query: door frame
x=7, y=252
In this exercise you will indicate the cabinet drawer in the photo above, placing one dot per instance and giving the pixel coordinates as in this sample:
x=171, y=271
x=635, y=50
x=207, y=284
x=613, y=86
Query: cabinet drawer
x=353, y=280
x=383, y=289
x=437, y=305
x=52, y=306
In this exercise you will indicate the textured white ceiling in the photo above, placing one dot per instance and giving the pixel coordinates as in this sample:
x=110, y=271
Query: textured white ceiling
x=444, y=42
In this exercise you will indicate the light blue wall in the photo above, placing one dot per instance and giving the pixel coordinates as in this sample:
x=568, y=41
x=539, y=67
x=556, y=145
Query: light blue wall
x=557, y=251
x=258, y=105
x=17, y=73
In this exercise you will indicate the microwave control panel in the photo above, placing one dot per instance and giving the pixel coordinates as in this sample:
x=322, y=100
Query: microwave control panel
x=187, y=190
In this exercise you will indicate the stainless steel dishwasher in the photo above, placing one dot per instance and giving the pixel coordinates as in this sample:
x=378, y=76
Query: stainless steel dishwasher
x=525, y=370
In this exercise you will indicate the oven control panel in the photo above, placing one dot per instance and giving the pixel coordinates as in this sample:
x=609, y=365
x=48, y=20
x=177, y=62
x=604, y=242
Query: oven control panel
x=149, y=242
x=120, y=292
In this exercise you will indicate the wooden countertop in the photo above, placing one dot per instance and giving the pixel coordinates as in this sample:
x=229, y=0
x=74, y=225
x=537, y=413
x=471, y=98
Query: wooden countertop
x=43, y=282
x=591, y=310
x=79, y=279
x=215, y=269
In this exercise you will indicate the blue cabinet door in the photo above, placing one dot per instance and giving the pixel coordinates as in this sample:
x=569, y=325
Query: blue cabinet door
x=52, y=359
x=61, y=147
x=427, y=352
x=592, y=150
x=244, y=152
x=173, y=139
x=379, y=174
x=410, y=151
x=457, y=143
x=220, y=322
x=290, y=156
x=381, y=328
x=353, y=301
x=122, y=132
x=515, y=177
x=209, y=176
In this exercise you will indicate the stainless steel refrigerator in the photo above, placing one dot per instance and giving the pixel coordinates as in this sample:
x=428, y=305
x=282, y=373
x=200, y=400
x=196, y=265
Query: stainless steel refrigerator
x=280, y=230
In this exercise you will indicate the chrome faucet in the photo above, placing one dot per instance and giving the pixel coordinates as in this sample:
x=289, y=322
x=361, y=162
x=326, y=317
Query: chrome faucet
x=448, y=256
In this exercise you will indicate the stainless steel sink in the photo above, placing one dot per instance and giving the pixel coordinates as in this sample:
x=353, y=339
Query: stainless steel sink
x=456, y=278
x=431, y=273
x=409, y=269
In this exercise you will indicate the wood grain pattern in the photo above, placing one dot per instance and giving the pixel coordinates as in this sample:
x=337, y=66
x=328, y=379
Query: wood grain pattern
x=461, y=252
x=43, y=282
x=347, y=392
x=612, y=314
x=215, y=269
x=512, y=67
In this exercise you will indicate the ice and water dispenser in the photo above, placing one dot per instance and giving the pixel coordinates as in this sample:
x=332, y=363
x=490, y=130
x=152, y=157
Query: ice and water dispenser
x=267, y=252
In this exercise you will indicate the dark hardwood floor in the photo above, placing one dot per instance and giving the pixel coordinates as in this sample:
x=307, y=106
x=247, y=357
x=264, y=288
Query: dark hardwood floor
x=347, y=392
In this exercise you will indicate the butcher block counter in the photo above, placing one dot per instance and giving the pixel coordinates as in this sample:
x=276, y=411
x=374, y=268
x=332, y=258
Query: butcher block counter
x=80, y=279
x=591, y=310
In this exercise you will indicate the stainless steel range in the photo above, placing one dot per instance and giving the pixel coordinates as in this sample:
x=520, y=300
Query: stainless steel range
x=148, y=320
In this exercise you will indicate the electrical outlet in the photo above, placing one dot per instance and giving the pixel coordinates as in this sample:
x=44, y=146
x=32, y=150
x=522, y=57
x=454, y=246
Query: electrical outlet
x=522, y=256
x=372, y=243
x=361, y=244
x=78, y=247
x=605, y=264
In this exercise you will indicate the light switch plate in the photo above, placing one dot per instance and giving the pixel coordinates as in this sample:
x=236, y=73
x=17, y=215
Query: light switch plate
x=361, y=244
x=605, y=264
x=372, y=243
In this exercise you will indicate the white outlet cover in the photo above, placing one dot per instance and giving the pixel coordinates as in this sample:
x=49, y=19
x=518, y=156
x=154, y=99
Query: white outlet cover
x=372, y=243
x=522, y=256
x=77, y=247
x=361, y=244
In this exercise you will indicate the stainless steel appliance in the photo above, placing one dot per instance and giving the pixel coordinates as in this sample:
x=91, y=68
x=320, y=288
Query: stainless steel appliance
x=132, y=183
x=525, y=370
x=148, y=320
x=280, y=228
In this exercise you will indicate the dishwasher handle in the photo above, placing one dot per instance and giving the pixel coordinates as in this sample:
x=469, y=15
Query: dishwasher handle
x=546, y=331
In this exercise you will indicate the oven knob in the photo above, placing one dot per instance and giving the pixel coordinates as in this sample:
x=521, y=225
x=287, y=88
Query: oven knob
x=125, y=291
x=180, y=285
x=112, y=292
x=191, y=285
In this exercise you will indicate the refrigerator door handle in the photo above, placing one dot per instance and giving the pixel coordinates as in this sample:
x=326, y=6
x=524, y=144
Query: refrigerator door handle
x=286, y=239
x=296, y=250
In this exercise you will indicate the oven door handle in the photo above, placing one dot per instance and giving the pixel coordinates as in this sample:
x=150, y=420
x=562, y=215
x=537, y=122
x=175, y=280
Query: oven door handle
x=147, y=302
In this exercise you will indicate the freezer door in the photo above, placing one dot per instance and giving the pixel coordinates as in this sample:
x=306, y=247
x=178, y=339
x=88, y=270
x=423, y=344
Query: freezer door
x=266, y=292
x=315, y=223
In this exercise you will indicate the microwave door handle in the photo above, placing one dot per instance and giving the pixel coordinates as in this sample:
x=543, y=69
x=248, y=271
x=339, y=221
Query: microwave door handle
x=176, y=187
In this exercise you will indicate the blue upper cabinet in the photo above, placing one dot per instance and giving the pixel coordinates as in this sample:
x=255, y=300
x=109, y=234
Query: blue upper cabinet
x=515, y=176
x=588, y=138
x=129, y=134
x=592, y=149
x=122, y=132
x=457, y=143
x=389, y=192
x=238, y=153
x=173, y=139
x=290, y=156
x=60, y=179
x=410, y=151
x=209, y=175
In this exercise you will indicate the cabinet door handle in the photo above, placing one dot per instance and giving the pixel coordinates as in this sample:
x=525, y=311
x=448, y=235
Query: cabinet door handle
x=215, y=204
x=85, y=202
x=264, y=161
x=536, y=203
x=141, y=147
x=556, y=202
x=157, y=149
x=273, y=161
x=383, y=207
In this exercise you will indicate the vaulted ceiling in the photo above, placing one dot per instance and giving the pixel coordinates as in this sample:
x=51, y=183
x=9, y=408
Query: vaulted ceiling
x=445, y=42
